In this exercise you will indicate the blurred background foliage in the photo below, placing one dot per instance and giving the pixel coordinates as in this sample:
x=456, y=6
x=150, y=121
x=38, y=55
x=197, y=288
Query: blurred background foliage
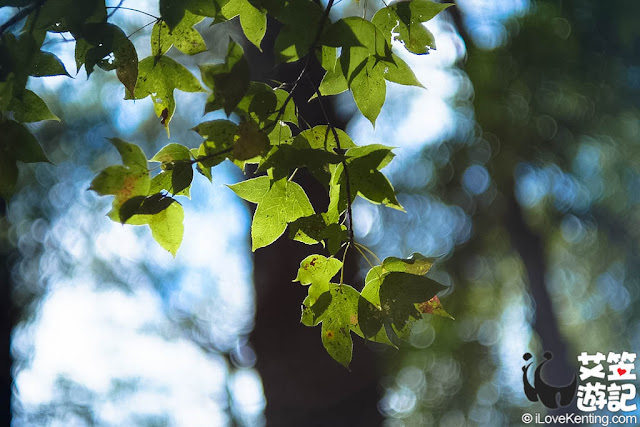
x=518, y=166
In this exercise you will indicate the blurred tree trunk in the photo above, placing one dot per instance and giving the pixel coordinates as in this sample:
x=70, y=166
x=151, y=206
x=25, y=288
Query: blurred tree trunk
x=530, y=246
x=303, y=385
x=7, y=312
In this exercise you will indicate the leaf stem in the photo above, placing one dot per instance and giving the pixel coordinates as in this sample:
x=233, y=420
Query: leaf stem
x=116, y=8
x=344, y=163
x=344, y=257
x=368, y=250
x=212, y=155
x=363, y=255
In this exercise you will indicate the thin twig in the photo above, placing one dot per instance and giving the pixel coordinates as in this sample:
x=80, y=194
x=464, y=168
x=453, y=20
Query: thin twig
x=312, y=49
x=131, y=9
x=344, y=257
x=115, y=9
x=211, y=156
x=20, y=15
x=344, y=163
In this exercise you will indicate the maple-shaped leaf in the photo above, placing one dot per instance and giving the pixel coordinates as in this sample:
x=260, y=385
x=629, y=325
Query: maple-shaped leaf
x=158, y=76
x=177, y=170
x=98, y=43
x=279, y=203
x=337, y=309
x=405, y=20
x=123, y=181
x=394, y=289
x=252, y=19
x=183, y=36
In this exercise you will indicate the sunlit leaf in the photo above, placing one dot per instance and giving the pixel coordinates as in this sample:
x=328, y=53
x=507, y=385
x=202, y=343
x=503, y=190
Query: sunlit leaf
x=282, y=203
x=183, y=36
x=405, y=19
x=158, y=77
x=317, y=270
x=337, y=310
x=252, y=20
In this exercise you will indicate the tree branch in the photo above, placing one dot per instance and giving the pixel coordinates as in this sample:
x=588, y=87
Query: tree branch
x=20, y=15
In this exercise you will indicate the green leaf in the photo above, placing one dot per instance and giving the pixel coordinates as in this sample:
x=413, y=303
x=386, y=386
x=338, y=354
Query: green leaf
x=369, y=90
x=397, y=71
x=322, y=137
x=279, y=203
x=30, y=108
x=66, y=15
x=337, y=309
x=252, y=190
x=171, y=152
x=400, y=292
x=405, y=19
x=99, y=42
x=220, y=136
x=396, y=304
x=184, y=37
x=176, y=181
x=17, y=144
x=167, y=227
x=46, y=64
x=317, y=270
x=229, y=81
x=313, y=229
x=251, y=141
x=173, y=11
x=415, y=264
x=382, y=151
x=165, y=218
x=252, y=20
x=141, y=205
x=365, y=180
x=132, y=156
x=332, y=83
x=363, y=49
x=158, y=77
x=177, y=170
x=327, y=56
x=300, y=26
x=284, y=158
x=263, y=104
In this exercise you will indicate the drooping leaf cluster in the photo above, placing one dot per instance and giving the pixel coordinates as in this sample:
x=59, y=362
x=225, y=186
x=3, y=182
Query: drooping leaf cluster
x=262, y=129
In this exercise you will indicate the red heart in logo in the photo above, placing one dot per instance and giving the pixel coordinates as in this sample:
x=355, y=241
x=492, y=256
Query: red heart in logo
x=621, y=371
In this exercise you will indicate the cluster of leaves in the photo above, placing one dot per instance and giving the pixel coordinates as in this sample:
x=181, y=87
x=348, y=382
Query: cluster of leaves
x=357, y=56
